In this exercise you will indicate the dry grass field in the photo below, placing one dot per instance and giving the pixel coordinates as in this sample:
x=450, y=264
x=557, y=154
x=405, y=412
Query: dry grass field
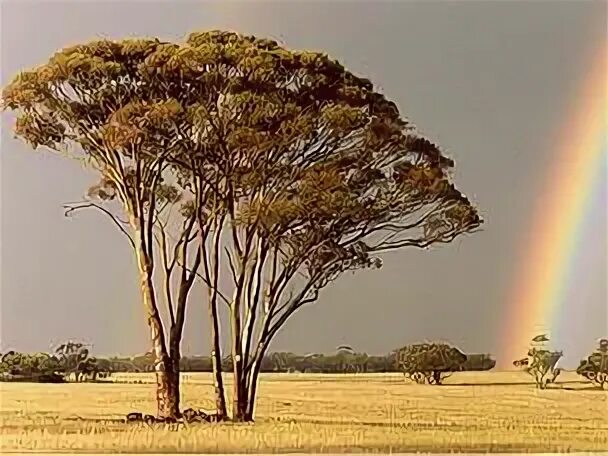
x=473, y=412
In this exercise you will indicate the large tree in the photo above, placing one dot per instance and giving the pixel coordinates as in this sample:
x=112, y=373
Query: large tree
x=297, y=170
x=97, y=103
x=307, y=170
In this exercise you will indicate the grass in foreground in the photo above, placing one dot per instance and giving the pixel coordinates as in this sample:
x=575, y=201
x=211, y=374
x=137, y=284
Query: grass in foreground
x=489, y=411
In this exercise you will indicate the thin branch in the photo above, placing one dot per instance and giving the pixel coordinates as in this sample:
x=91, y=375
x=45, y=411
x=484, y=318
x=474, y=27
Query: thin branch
x=231, y=265
x=253, y=296
x=184, y=289
x=206, y=282
x=162, y=244
x=70, y=208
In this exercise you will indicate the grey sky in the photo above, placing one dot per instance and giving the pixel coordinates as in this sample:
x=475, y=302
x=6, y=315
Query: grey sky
x=489, y=81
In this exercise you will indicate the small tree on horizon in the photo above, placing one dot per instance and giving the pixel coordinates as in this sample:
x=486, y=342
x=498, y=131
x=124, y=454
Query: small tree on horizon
x=595, y=367
x=429, y=362
x=541, y=362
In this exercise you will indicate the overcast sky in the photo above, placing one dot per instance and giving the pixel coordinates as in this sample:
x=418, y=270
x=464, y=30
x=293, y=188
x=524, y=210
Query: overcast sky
x=490, y=81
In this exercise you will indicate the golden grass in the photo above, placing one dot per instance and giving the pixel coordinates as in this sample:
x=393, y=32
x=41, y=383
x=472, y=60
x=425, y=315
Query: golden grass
x=473, y=412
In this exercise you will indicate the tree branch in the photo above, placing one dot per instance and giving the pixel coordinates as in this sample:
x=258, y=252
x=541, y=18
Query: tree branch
x=168, y=270
x=73, y=207
x=207, y=283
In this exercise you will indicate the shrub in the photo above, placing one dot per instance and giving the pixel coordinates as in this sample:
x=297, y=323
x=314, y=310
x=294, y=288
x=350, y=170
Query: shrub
x=429, y=363
x=541, y=363
x=595, y=367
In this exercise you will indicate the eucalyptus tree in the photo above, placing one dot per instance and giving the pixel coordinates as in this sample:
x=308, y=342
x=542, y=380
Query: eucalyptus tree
x=101, y=104
x=294, y=170
x=302, y=172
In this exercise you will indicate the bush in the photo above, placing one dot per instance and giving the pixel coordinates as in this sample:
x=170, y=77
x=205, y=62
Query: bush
x=429, y=363
x=595, y=367
x=36, y=367
x=540, y=362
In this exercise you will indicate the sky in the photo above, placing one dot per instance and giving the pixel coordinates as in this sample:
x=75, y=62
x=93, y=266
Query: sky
x=491, y=82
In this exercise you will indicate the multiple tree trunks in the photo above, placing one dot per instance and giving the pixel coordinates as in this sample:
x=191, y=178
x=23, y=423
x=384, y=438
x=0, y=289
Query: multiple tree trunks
x=244, y=392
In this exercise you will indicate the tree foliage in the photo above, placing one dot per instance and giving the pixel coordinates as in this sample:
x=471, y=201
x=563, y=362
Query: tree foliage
x=69, y=362
x=34, y=367
x=429, y=362
x=76, y=362
x=595, y=367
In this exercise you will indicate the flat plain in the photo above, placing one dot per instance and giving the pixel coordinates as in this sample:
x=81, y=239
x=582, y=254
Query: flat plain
x=472, y=412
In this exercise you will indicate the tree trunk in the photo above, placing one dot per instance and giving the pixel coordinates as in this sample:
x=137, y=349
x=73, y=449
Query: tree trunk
x=216, y=350
x=239, y=404
x=239, y=394
x=173, y=374
x=437, y=377
x=252, y=383
x=167, y=380
x=252, y=390
x=167, y=392
x=216, y=363
x=212, y=274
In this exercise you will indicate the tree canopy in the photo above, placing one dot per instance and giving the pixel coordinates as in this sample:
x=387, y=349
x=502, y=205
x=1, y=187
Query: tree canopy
x=429, y=362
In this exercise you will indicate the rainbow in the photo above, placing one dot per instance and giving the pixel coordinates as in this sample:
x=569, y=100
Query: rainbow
x=547, y=260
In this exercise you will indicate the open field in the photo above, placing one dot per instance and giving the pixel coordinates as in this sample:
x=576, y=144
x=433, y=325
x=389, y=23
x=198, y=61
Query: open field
x=488, y=411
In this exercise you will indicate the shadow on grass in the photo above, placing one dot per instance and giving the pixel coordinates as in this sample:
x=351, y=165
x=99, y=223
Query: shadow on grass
x=595, y=388
x=576, y=382
x=447, y=448
x=288, y=420
x=416, y=426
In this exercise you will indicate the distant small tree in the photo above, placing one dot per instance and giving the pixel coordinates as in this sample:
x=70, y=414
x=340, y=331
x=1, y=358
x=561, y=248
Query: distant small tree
x=11, y=363
x=282, y=361
x=541, y=363
x=348, y=361
x=429, y=363
x=145, y=362
x=595, y=367
x=75, y=361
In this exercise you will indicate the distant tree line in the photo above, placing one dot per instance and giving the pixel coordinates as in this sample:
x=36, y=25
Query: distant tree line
x=285, y=362
x=425, y=363
x=71, y=362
